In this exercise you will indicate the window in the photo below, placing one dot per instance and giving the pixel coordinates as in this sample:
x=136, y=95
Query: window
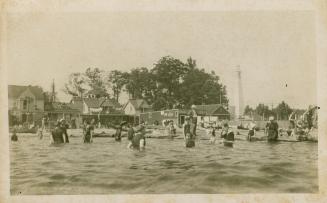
x=25, y=104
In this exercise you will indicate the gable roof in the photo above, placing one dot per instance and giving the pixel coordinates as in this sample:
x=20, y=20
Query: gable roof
x=211, y=109
x=138, y=104
x=14, y=91
x=92, y=102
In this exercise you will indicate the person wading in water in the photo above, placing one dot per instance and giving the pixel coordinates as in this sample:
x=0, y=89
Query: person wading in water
x=272, y=129
x=88, y=132
x=188, y=134
x=57, y=135
x=64, y=126
x=194, y=119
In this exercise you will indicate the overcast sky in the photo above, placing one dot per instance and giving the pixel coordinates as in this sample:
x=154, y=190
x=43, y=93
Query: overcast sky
x=272, y=48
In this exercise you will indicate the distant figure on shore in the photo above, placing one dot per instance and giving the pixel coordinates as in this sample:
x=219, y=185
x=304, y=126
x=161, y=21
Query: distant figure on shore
x=272, y=129
x=57, y=135
x=14, y=136
x=194, y=119
x=188, y=135
x=64, y=126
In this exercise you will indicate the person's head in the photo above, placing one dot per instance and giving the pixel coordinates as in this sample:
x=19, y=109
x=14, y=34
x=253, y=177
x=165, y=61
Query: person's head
x=62, y=121
x=92, y=121
x=225, y=125
x=193, y=106
x=271, y=118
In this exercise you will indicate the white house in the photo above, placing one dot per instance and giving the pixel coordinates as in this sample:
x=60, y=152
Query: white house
x=136, y=106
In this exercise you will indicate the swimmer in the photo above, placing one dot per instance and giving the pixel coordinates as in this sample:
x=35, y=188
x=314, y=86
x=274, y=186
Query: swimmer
x=64, y=126
x=14, y=136
x=130, y=135
x=212, y=133
x=88, y=132
x=188, y=136
x=138, y=141
x=57, y=135
x=251, y=132
x=272, y=129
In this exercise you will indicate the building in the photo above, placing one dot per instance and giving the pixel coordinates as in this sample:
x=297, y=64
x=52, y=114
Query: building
x=58, y=110
x=100, y=105
x=156, y=117
x=26, y=104
x=136, y=106
x=211, y=113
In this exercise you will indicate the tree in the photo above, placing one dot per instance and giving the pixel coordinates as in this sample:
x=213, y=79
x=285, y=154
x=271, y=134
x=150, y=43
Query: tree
x=248, y=110
x=95, y=79
x=117, y=80
x=263, y=111
x=282, y=111
x=167, y=74
x=76, y=85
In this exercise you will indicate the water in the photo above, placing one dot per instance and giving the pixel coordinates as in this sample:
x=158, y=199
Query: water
x=166, y=166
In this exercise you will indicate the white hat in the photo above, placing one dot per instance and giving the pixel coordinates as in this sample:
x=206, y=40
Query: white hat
x=193, y=106
x=271, y=118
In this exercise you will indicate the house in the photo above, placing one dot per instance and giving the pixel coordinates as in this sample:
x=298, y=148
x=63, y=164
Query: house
x=136, y=106
x=58, y=110
x=26, y=104
x=211, y=113
x=100, y=106
x=156, y=117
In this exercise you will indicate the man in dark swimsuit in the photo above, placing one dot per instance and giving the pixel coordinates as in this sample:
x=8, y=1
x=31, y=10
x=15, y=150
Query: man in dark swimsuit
x=188, y=135
x=64, y=126
x=194, y=119
x=272, y=130
x=88, y=132
x=57, y=135
x=138, y=141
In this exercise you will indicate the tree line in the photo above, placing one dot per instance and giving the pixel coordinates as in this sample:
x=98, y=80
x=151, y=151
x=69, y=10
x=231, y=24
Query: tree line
x=280, y=112
x=170, y=83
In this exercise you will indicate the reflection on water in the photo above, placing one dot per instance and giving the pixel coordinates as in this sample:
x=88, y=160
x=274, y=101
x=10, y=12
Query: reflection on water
x=166, y=166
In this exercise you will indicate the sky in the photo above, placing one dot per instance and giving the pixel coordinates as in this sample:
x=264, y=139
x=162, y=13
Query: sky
x=275, y=50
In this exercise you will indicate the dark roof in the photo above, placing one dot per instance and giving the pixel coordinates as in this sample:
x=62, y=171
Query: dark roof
x=138, y=104
x=58, y=107
x=211, y=109
x=14, y=91
x=101, y=102
x=92, y=102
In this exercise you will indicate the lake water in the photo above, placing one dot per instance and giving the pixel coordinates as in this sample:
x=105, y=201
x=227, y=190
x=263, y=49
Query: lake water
x=166, y=166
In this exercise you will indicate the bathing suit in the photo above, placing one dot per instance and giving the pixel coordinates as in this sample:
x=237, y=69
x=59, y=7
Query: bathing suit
x=87, y=136
x=57, y=135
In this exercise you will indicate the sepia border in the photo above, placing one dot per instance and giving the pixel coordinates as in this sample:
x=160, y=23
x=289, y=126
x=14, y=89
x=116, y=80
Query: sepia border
x=319, y=7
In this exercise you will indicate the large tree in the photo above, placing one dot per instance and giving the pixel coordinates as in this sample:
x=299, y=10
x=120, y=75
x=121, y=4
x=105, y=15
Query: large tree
x=282, y=111
x=95, y=78
x=117, y=80
x=76, y=85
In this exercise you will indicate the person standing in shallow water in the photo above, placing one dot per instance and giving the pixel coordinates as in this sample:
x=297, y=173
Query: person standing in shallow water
x=194, y=119
x=272, y=129
x=14, y=135
x=88, y=132
x=57, y=135
x=188, y=135
x=64, y=126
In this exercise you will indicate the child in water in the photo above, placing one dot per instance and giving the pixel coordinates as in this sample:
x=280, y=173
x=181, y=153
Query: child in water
x=212, y=133
x=188, y=136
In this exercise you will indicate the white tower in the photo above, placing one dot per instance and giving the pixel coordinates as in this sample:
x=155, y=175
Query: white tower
x=239, y=103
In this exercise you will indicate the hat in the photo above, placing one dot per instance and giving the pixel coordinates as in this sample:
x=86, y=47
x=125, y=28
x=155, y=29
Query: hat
x=61, y=120
x=271, y=118
x=193, y=106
